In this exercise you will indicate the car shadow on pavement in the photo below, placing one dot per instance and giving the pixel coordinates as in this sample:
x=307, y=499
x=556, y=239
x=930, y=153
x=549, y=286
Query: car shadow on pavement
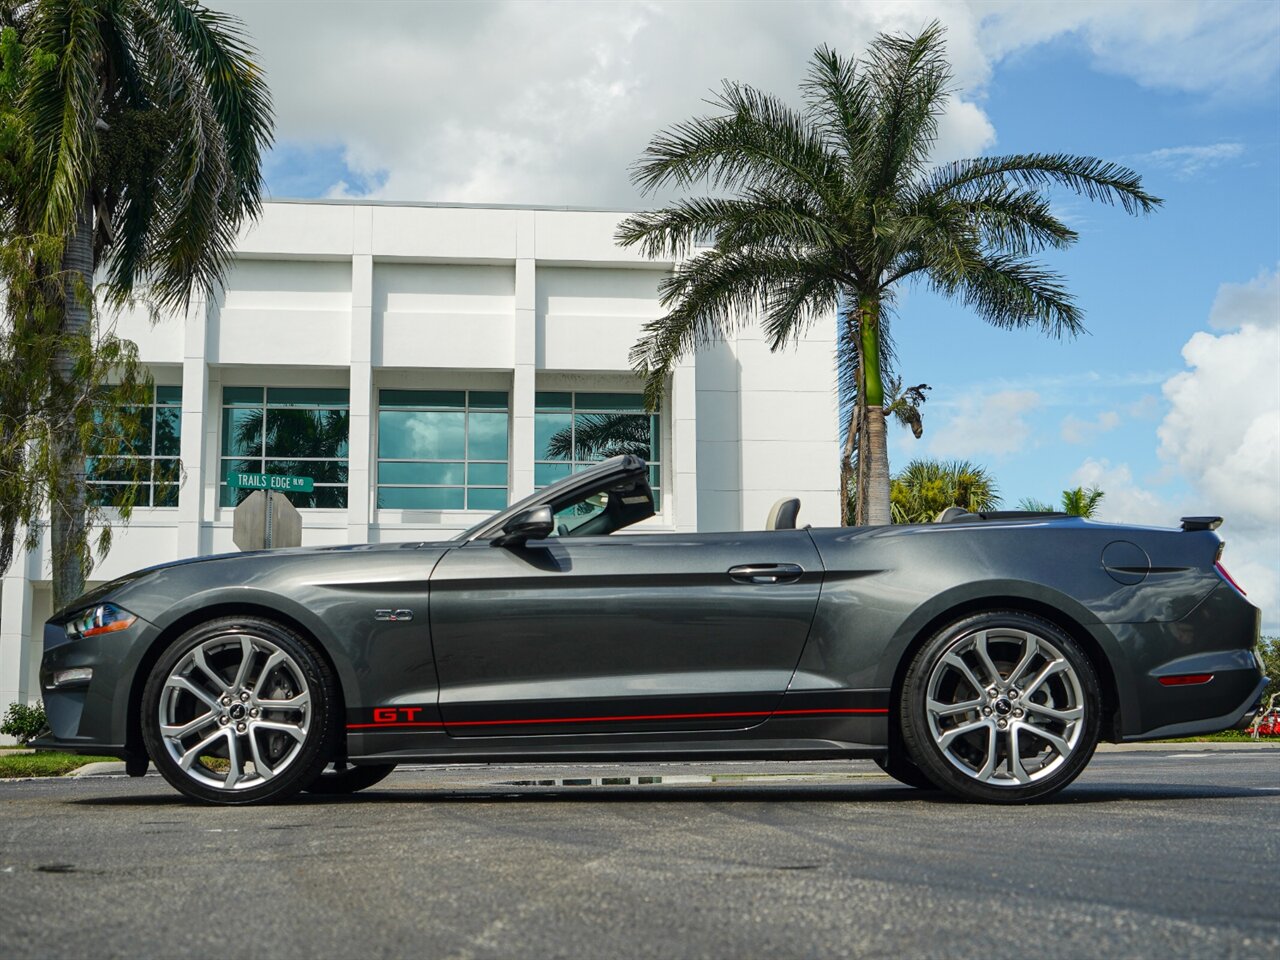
x=790, y=793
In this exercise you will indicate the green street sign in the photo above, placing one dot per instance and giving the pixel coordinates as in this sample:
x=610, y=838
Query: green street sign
x=270, y=481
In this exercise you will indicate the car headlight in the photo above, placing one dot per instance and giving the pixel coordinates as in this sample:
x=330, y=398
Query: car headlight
x=104, y=618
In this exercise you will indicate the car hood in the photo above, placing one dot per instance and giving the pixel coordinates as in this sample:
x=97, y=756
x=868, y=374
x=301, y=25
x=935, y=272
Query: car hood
x=102, y=592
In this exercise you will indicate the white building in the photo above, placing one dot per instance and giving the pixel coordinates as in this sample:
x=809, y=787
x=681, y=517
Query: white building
x=418, y=360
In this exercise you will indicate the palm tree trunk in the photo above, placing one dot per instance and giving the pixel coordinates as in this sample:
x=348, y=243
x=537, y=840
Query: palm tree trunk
x=67, y=529
x=872, y=443
x=849, y=511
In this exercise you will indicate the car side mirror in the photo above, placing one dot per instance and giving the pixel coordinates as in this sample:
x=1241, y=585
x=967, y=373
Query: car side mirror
x=536, y=523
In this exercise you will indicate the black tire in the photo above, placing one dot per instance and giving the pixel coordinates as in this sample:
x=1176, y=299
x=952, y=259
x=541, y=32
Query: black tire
x=343, y=778
x=283, y=704
x=905, y=772
x=1046, y=701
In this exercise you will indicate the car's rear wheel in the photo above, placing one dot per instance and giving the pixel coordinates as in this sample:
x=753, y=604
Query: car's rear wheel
x=239, y=710
x=1001, y=707
x=340, y=778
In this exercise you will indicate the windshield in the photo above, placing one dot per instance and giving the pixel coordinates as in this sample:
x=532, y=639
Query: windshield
x=580, y=499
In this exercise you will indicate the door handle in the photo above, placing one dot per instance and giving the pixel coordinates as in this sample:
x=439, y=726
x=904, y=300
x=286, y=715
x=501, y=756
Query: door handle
x=766, y=572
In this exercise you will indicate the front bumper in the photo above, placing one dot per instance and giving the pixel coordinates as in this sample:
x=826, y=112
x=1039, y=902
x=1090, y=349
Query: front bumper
x=91, y=716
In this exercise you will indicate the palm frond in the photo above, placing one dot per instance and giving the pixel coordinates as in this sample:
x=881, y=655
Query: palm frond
x=62, y=106
x=758, y=218
x=758, y=140
x=910, y=76
x=708, y=296
x=219, y=46
x=1012, y=293
x=839, y=102
x=1098, y=180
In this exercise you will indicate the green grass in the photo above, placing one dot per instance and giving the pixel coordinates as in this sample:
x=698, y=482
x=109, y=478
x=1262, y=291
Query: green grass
x=1226, y=736
x=41, y=764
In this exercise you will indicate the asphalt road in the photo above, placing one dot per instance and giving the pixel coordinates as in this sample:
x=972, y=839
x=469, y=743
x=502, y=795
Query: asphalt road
x=1148, y=854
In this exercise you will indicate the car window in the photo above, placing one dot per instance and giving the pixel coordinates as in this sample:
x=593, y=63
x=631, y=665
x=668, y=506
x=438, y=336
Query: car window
x=575, y=515
x=601, y=512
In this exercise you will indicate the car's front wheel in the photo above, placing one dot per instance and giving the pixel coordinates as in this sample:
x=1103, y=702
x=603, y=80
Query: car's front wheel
x=239, y=710
x=1001, y=707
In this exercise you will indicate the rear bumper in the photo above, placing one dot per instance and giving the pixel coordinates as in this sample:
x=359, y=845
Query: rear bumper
x=1236, y=719
x=1218, y=640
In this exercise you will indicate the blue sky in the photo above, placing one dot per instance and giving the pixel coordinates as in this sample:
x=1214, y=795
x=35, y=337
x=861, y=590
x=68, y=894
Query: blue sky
x=1171, y=403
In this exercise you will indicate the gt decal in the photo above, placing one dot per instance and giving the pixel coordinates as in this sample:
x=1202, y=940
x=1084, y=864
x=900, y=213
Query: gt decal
x=396, y=714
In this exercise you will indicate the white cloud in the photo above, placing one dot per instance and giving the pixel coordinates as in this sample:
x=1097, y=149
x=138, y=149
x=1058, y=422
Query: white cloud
x=1144, y=408
x=1187, y=162
x=1222, y=431
x=1076, y=430
x=1256, y=303
x=991, y=424
x=1220, y=48
x=550, y=102
x=1124, y=501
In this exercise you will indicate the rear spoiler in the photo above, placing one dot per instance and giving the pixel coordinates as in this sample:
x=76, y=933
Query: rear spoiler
x=1201, y=523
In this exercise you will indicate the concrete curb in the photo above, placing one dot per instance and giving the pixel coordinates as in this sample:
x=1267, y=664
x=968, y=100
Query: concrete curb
x=103, y=768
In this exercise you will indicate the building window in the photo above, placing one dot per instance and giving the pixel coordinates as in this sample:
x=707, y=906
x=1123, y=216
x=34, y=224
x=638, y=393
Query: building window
x=442, y=449
x=292, y=431
x=573, y=430
x=157, y=447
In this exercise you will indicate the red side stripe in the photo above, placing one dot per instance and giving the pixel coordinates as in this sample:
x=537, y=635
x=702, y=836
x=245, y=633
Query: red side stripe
x=622, y=719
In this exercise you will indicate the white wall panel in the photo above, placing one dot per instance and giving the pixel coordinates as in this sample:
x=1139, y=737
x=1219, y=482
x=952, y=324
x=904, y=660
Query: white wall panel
x=299, y=230
x=444, y=233
x=159, y=342
x=443, y=315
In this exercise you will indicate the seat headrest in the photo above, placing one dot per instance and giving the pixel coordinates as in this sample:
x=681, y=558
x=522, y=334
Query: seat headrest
x=951, y=514
x=782, y=516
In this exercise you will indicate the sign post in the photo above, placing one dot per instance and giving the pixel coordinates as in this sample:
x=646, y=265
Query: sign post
x=262, y=521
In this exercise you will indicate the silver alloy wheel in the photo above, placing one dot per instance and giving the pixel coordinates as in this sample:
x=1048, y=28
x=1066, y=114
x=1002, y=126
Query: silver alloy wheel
x=239, y=701
x=1005, y=706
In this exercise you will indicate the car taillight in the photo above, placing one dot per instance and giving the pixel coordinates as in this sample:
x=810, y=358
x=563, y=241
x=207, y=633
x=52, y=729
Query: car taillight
x=1222, y=572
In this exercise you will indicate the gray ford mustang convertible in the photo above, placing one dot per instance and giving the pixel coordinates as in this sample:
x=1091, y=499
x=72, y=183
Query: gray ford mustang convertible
x=985, y=655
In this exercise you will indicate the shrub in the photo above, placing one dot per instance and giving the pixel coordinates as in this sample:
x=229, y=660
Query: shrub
x=24, y=721
x=1270, y=650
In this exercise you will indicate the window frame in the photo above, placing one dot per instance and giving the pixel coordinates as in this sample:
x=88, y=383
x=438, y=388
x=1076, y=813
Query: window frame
x=261, y=458
x=466, y=409
x=657, y=478
x=151, y=456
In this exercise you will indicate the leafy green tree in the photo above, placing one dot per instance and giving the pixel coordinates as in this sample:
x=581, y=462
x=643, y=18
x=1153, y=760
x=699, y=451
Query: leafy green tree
x=830, y=208
x=1269, y=647
x=1077, y=502
x=138, y=129
x=924, y=488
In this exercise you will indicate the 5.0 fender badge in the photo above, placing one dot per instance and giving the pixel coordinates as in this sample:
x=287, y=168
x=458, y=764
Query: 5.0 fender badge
x=396, y=615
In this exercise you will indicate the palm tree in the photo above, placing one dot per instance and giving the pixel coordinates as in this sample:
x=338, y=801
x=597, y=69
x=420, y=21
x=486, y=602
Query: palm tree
x=603, y=435
x=1078, y=502
x=148, y=119
x=927, y=487
x=830, y=208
